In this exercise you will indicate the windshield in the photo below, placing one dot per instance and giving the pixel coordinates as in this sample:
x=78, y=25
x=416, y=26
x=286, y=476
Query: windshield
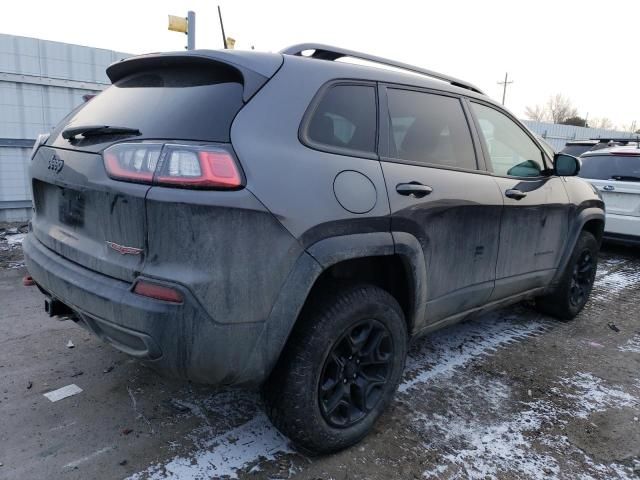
x=611, y=167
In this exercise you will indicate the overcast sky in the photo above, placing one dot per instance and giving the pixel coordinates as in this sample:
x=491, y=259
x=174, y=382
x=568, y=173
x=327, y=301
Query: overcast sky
x=573, y=47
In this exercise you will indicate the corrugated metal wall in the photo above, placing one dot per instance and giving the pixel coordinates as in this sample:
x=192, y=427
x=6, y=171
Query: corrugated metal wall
x=40, y=82
x=557, y=135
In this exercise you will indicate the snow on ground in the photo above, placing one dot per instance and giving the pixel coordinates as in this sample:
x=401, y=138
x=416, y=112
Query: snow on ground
x=256, y=440
x=15, y=239
x=614, y=277
x=457, y=346
x=225, y=454
x=633, y=345
x=504, y=442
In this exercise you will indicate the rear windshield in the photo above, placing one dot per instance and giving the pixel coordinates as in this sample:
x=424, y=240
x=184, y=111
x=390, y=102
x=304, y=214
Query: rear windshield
x=189, y=103
x=576, y=150
x=607, y=167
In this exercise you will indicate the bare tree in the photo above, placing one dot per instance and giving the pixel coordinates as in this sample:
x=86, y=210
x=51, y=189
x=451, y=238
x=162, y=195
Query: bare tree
x=631, y=128
x=602, y=122
x=538, y=113
x=560, y=108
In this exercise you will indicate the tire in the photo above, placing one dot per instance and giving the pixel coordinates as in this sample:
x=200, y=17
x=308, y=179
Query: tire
x=572, y=292
x=320, y=363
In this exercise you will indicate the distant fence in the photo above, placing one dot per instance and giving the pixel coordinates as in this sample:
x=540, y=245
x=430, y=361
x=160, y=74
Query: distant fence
x=557, y=135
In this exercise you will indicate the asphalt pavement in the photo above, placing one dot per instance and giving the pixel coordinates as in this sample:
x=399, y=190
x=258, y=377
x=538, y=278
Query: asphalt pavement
x=509, y=395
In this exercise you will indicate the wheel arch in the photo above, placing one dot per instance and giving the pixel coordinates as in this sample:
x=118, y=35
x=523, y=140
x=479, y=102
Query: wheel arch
x=392, y=262
x=591, y=220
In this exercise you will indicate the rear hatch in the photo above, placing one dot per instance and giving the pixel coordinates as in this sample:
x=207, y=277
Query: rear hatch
x=617, y=177
x=92, y=212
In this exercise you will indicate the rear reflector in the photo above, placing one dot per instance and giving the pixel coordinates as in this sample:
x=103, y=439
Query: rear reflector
x=159, y=292
x=186, y=166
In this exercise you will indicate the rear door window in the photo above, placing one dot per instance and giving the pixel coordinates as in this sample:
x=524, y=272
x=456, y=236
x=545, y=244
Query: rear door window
x=611, y=167
x=189, y=102
x=344, y=119
x=430, y=129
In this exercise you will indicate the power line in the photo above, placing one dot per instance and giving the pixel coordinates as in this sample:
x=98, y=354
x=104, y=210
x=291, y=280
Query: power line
x=504, y=86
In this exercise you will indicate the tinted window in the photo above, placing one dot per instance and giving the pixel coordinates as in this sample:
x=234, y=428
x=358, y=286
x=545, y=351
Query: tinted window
x=189, y=103
x=345, y=118
x=607, y=167
x=576, y=150
x=511, y=150
x=429, y=129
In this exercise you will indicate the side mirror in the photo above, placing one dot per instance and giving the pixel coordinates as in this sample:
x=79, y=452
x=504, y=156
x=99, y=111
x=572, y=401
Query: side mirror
x=566, y=165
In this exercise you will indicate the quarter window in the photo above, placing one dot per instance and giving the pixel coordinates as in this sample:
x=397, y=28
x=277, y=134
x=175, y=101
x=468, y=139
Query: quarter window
x=430, y=129
x=345, y=118
x=511, y=150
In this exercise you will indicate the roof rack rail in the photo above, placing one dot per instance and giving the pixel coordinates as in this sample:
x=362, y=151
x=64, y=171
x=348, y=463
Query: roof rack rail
x=327, y=52
x=617, y=139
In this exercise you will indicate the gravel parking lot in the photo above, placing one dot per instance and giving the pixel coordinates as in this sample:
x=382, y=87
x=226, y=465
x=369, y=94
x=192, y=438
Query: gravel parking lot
x=511, y=395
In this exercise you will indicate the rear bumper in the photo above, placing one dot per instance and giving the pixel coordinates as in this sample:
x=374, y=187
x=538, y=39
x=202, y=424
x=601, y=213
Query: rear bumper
x=622, y=226
x=181, y=340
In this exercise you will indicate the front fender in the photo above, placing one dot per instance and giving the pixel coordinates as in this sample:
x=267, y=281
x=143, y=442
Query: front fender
x=585, y=215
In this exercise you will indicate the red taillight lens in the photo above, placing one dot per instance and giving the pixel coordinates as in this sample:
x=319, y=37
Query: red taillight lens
x=159, y=292
x=132, y=162
x=199, y=168
x=173, y=165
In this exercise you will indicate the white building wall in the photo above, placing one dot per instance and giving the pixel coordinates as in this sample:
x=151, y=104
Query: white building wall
x=40, y=82
x=558, y=135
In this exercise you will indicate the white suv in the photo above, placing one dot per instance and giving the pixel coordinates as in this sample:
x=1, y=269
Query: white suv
x=615, y=172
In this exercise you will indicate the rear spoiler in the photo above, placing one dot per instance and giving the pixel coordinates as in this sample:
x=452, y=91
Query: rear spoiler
x=256, y=68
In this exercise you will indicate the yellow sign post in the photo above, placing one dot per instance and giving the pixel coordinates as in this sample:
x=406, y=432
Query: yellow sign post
x=178, y=24
x=186, y=26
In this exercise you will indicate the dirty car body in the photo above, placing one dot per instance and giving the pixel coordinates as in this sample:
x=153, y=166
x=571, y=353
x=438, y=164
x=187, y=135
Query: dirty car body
x=187, y=214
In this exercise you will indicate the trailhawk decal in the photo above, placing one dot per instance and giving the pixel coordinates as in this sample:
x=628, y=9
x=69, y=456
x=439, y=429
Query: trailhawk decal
x=122, y=250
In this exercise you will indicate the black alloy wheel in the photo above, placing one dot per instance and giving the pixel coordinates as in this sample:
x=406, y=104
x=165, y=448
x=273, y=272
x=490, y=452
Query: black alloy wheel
x=571, y=290
x=355, y=372
x=340, y=368
x=582, y=278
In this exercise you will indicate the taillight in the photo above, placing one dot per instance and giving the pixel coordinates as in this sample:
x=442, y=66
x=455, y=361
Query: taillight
x=133, y=162
x=187, y=166
x=159, y=292
x=199, y=167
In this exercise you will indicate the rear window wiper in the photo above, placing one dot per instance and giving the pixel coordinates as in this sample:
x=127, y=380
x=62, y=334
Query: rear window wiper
x=628, y=178
x=92, y=130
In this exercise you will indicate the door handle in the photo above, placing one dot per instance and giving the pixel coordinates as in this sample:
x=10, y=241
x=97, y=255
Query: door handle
x=515, y=194
x=413, y=189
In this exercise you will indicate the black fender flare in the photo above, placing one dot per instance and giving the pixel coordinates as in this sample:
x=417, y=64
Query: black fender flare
x=583, y=216
x=306, y=271
x=333, y=250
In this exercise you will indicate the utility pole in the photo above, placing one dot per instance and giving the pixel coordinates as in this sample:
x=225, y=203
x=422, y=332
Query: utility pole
x=224, y=37
x=504, y=86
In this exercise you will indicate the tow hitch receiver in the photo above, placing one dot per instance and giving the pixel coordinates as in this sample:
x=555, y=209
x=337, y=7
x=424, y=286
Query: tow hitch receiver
x=55, y=307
